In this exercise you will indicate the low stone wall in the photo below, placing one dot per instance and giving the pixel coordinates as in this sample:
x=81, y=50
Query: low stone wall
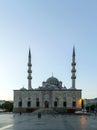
x=24, y=110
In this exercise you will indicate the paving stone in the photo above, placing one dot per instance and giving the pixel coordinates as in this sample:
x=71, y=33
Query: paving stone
x=30, y=121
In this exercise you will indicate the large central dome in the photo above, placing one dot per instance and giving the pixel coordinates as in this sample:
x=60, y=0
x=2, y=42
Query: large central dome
x=53, y=81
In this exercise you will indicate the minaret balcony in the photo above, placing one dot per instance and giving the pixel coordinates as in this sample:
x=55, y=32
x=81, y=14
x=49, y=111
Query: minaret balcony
x=73, y=64
x=73, y=70
x=29, y=77
x=29, y=64
x=73, y=77
x=29, y=71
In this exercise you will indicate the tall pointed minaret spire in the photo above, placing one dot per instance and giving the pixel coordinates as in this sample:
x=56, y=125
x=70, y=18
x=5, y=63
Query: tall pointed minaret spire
x=73, y=71
x=29, y=71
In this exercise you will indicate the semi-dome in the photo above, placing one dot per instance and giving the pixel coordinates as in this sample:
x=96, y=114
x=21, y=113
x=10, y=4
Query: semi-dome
x=23, y=88
x=52, y=80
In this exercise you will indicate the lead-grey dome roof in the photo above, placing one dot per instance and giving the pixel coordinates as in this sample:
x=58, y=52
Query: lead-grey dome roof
x=23, y=88
x=52, y=80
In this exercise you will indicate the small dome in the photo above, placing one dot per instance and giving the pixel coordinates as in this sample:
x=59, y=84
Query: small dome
x=23, y=88
x=52, y=80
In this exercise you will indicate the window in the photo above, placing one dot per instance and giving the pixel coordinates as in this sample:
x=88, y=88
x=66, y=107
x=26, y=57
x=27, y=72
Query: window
x=64, y=104
x=74, y=104
x=37, y=104
x=29, y=103
x=20, y=104
x=55, y=104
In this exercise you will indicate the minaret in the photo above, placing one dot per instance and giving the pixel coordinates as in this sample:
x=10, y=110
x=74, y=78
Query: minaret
x=29, y=71
x=73, y=71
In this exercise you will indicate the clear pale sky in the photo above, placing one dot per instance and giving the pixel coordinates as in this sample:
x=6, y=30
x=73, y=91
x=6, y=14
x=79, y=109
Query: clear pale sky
x=49, y=28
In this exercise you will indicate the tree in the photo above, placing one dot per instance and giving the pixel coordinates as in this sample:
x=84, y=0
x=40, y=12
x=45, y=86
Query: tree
x=0, y=106
x=8, y=106
x=92, y=107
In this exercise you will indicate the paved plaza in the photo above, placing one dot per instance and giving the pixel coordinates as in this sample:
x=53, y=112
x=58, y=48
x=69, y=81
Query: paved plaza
x=30, y=121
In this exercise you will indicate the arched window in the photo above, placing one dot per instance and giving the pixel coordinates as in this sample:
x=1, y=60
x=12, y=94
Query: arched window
x=37, y=102
x=64, y=104
x=55, y=104
x=74, y=104
x=20, y=103
x=29, y=103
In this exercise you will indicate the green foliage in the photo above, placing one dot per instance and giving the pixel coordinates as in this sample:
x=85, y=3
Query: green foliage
x=87, y=108
x=92, y=107
x=8, y=106
x=0, y=106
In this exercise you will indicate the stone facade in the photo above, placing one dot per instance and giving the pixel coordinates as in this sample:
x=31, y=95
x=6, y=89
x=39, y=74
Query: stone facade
x=29, y=100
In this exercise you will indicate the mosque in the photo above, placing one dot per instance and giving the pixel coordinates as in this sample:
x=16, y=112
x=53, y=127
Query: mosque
x=50, y=95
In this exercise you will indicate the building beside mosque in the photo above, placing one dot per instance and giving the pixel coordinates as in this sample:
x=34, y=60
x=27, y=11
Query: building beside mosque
x=51, y=94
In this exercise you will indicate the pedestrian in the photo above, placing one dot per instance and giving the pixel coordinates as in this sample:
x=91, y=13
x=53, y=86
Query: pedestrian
x=39, y=114
x=20, y=113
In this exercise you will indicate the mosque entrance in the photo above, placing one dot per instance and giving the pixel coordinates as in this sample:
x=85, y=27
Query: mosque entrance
x=46, y=103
